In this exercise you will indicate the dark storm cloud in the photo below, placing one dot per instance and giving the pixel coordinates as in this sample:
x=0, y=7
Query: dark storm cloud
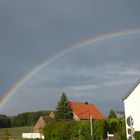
x=31, y=31
x=99, y=83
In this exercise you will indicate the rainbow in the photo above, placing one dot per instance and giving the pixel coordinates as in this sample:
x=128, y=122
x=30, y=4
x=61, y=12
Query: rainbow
x=94, y=39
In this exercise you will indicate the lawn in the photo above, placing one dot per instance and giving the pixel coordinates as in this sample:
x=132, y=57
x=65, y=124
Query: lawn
x=14, y=133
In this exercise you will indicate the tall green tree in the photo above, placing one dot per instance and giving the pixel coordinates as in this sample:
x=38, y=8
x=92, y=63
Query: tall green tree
x=112, y=114
x=4, y=121
x=63, y=109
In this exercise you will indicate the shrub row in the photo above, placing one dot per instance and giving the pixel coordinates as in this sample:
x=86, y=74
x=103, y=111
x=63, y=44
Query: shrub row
x=73, y=130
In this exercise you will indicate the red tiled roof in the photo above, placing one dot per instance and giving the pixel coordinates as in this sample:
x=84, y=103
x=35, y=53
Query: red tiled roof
x=83, y=111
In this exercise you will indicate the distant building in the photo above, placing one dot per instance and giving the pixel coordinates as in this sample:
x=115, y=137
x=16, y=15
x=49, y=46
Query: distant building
x=82, y=111
x=132, y=113
x=43, y=120
x=120, y=114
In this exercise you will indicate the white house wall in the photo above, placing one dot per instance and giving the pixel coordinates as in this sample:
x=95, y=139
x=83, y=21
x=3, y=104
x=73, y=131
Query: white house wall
x=132, y=107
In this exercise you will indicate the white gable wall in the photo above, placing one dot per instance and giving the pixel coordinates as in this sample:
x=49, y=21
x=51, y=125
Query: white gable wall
x=132, y=107
x=75, y=117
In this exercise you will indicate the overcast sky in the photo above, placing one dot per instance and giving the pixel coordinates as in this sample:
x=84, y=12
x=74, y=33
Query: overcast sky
x=101, y=73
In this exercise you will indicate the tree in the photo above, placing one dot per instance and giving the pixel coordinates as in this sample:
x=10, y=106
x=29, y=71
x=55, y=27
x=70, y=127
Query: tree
x=4, y=121
x=27, y=118
x=112, y=114
x=64, y=110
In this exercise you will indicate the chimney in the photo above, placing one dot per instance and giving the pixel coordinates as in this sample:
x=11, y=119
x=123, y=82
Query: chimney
x=86, y=103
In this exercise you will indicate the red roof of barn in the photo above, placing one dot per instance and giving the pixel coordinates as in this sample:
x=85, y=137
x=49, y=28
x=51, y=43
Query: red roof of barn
x=83, y=110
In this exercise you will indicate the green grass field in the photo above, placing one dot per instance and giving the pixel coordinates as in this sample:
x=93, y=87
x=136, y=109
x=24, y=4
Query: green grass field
x=14, y=133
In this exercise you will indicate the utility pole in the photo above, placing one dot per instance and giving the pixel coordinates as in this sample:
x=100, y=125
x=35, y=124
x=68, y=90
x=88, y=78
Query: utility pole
x=107, y=136
x=90, y=120
x=79, y=134
x=91, y=127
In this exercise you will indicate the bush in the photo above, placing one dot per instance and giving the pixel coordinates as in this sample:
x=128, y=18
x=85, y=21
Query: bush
x=72, y=130
x=137, y=135
x=4, y=121
x=117, y=127
x=58, y=130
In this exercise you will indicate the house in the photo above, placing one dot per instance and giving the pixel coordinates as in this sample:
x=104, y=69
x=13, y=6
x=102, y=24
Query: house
x=132, y=113
x=83, y=111
x=120, y=113
x=43, y=120
x=38, y=128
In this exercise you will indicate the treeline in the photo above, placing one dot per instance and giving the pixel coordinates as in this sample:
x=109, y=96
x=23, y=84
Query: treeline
x=4, y=121
x=75, y=130
x=27, y=119
x=23, y=119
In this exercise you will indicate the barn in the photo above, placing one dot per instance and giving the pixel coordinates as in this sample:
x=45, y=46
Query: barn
x=43, y=120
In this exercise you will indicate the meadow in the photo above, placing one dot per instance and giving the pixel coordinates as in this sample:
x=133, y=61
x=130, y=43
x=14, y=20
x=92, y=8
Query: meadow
x=14, y=133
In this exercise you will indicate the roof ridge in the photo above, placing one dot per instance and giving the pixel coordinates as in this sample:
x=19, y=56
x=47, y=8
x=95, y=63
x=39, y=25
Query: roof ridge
x=82, y=103
x=83, y=110
x=131, y=90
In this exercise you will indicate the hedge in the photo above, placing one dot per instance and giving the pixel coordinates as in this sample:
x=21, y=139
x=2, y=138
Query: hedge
x=73, y=130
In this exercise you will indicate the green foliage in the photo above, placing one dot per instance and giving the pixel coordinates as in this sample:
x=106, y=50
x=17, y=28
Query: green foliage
x=80, y=129
x=65, y=130
x=122, y=129
x=100, y=128
x=72, y=130
x=64, y=110
x=117, y=127
x=113, y=125
x=28, y=118
x=137, y=135
x=4, y=121
x=112, y=114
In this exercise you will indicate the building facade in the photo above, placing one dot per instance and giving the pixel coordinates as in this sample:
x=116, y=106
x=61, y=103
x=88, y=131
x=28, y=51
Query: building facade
x=132, y=113
x=43, y=120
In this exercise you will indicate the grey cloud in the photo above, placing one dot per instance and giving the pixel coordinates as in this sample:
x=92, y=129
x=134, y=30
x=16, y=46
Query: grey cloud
x=32, y=31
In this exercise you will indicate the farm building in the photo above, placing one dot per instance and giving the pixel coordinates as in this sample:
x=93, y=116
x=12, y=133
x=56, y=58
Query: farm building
x=132, y=113
x=82, y=111
x=43, y=120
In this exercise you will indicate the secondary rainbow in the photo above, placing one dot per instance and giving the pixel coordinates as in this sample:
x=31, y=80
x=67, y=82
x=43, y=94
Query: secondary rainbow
x=35, y=70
